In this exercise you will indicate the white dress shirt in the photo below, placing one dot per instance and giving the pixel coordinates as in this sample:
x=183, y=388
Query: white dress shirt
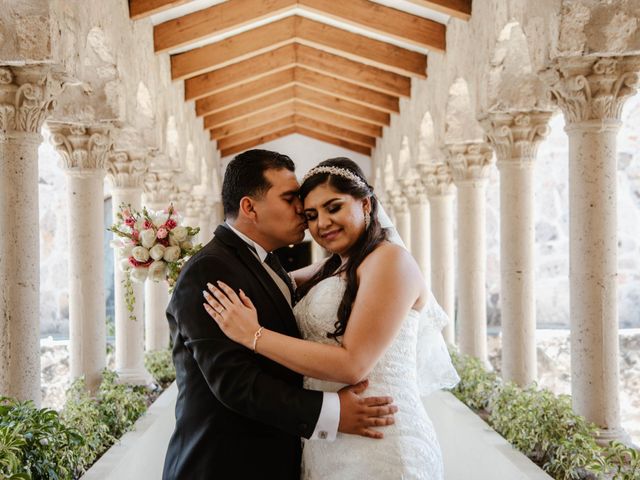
x=329, y=418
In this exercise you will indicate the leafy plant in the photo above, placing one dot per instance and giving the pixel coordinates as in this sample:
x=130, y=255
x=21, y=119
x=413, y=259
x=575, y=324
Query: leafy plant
x=543, y=426
x=120, y=405
x=159, y=364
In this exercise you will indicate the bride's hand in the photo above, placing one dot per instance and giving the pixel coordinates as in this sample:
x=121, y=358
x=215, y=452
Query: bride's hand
x=236, y=315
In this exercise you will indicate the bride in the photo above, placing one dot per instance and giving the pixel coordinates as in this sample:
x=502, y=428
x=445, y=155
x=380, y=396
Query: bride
x=364, y=313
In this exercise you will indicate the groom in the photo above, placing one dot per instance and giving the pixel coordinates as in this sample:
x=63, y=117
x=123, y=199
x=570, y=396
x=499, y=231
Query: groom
x=238, y=414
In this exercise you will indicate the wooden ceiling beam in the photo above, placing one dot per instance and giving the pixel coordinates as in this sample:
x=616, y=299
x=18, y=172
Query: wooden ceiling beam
x=343, y=107
x=144, y=8
x=456, y=8
x=352, y=71
x=360, y=48
x=334, y=131
x=233, y=49
x=247, y=123
x=250, y=108
x=257, y=132
x=258, y=141
x=336, y=119
x=376, y=18
x=240, y=73
x=346, y=90
x=332, y=140
x=245, y=92
x=214, y=20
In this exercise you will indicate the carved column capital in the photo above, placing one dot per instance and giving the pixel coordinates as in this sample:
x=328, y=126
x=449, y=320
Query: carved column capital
x=398, y=201
x=592, y=88
x=470, y=162
x=437, y=179
x=127, y=169
x=83, y=149
x=515, y=135
x=159, y=187
x=414, y=189
x=27, y=96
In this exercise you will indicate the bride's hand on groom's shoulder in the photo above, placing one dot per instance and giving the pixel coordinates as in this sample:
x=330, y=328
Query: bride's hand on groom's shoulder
x=359, y=414
x=234, y=313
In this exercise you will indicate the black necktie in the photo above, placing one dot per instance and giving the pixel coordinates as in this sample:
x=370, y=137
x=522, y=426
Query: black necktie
x=276, y=266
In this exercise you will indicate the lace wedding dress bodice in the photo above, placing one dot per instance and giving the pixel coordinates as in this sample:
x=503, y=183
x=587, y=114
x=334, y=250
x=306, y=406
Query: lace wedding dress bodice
x=410, y=449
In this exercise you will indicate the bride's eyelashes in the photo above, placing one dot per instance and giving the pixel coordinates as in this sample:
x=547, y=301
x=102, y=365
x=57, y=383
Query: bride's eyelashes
x=312, y=215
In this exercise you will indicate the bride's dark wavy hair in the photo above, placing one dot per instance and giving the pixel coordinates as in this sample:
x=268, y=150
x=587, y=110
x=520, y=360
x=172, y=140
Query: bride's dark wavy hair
x=368, y=241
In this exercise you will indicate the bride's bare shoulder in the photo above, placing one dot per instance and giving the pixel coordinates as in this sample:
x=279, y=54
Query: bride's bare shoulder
x=389, y=257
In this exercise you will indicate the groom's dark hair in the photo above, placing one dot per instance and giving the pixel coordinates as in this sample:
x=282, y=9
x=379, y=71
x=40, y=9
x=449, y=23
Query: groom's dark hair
x=244, y=177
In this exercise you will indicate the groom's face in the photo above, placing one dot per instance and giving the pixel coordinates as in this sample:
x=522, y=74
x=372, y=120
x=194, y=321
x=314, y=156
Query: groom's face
x=279, y=211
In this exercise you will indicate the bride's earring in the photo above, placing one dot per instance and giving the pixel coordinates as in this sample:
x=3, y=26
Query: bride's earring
x=367, y=220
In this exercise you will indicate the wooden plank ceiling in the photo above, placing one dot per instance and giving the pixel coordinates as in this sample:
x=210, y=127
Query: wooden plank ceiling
x=259, y=70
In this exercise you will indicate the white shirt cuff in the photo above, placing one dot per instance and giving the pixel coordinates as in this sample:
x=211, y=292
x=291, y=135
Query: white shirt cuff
x=329, y=418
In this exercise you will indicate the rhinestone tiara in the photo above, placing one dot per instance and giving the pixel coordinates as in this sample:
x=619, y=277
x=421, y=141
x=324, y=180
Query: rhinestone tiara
x=341, y=172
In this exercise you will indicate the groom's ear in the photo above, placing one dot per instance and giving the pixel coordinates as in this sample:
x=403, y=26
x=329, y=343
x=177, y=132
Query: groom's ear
x=247, y=209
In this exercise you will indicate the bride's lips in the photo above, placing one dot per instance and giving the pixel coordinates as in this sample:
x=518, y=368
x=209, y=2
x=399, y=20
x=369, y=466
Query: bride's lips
x=331, y=235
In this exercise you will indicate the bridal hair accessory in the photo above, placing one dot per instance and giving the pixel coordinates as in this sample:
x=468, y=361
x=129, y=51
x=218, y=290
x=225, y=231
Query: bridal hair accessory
x=341, y=172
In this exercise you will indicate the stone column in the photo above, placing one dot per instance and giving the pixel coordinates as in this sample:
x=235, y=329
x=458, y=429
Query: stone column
x=126, y=171
x=441, y=191
x=26, y=98
x=419, y=221
x=84, y=150
x=515, y=137
x=158, y=186
x=591, y=92
x=402, y=217
x=470, y=163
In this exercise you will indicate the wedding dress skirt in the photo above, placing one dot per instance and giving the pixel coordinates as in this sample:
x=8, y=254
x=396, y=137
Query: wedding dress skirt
x=410, y=449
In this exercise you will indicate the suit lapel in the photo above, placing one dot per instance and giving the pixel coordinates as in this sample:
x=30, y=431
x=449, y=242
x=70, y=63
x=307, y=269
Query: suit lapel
x=246, y=257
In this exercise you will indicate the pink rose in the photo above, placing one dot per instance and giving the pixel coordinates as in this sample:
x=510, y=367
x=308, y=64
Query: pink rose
x=162, y=232
x=170, y=224
x=147, y=224
x=130, y=221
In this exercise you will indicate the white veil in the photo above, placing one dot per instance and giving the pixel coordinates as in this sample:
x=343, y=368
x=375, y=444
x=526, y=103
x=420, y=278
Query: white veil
x=435, y=370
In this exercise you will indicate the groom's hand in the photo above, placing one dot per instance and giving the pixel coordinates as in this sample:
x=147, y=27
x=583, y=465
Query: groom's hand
x=359, y=414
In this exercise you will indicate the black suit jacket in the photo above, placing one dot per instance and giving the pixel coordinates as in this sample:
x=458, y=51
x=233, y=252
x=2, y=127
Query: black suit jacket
x=238, y=414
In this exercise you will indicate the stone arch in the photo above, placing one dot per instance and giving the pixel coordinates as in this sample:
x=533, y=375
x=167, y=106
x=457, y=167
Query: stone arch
x=460, y=119
x=428, y=151
x=512, y=83
x=404, y=158
x=172, y=138
x=191, y=163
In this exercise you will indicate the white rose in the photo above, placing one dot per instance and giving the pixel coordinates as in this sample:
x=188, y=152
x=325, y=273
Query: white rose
x=139, y=274
x=173, y=241
x=141, y=254
x=148, y=238
x=171, y=254
x=140, y=225
x=186, y=245
x=158, y=218
x=125, y=251
x=179, y=233
x=125, y=266
x=158, y=271
x=157, y=252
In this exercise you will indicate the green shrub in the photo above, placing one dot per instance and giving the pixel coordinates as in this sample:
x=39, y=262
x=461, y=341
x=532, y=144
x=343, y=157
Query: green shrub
x=35, y=443
x=543, y=426
x=159, y=364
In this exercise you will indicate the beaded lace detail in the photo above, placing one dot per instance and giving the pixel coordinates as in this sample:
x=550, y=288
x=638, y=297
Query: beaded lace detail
x=410, y=449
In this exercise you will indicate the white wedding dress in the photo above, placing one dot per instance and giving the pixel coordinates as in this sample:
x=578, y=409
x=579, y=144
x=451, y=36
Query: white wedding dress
x=410, y=449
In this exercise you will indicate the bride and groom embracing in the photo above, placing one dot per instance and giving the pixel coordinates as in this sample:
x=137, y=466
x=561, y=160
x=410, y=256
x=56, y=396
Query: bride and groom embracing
x=261, y=364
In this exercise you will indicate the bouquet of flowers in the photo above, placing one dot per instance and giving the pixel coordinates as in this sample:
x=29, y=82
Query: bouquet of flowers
x=151, y=245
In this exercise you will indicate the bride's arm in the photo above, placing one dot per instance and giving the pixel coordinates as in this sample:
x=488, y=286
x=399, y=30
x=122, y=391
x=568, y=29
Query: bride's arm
x=390, y=283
